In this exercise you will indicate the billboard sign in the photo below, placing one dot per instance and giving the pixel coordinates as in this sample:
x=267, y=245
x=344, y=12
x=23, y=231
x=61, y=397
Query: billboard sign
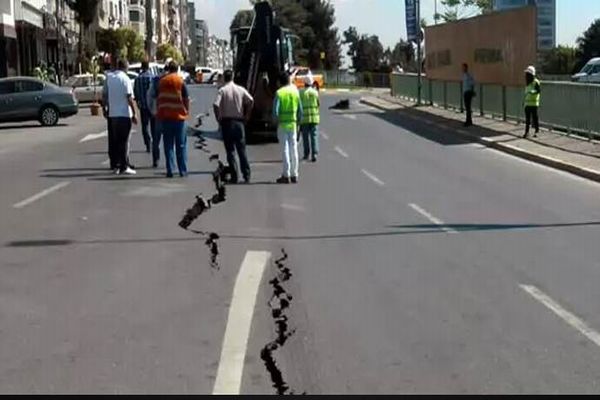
x=412, y=25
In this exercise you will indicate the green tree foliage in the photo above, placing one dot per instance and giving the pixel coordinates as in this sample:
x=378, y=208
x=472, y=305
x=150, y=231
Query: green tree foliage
x=313, y=22
x=588, y=45
x=123, y=43
x=85, y=13
x=167, y=50
x=365, y=51
x=560, y=60
x=403, y=55
x=458, y=9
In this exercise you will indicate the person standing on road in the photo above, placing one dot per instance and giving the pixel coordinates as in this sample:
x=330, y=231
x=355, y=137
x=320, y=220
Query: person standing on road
x=109, y=70
x=173, y=106
x=140, y=90
x=311, y=119
x=532, y=99
x=468, y=93
x=287, y=111
x=151, y=100
x=232, y=108
x=121, y=114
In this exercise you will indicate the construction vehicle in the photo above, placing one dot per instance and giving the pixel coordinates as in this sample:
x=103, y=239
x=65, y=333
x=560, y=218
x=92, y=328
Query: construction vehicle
x=262, y=52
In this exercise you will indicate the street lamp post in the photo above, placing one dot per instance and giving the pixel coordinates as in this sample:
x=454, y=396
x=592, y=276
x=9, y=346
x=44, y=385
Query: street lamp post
x=419, y=55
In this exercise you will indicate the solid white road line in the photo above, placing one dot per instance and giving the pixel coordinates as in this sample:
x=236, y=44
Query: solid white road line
x=341, y=152
x=565, y=315
x=233, y=352
x=41, y=194
x=431, y=218
x=94, y=136
x=372, y=177
x=325, y=136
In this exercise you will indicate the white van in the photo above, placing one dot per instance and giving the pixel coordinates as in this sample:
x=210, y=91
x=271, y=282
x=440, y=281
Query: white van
x=590, y=73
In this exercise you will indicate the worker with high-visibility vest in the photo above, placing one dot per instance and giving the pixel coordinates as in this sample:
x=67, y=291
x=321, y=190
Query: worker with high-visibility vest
x=287, y=111
x=311, y=119
x=173, y=106
x=532, y=101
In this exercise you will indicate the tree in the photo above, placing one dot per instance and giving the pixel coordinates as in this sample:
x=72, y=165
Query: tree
x=167, y=50
x=85, y=13
x=403, y=54
x=459, y=9
x=588, y=45
x=560, y=60
x=123, y=43
x=365, y=51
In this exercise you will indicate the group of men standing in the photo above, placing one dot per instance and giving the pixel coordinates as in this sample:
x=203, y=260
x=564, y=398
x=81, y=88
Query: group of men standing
x=163, y=104
x=293, y=110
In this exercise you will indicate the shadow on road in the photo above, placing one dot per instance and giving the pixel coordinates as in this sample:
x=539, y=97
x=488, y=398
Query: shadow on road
x=28, y=126
x=405, y=230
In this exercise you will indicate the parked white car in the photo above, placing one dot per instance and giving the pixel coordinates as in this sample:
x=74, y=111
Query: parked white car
x=83, y=87
x=590, y=73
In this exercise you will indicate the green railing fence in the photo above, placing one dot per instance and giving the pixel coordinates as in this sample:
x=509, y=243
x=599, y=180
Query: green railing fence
x=343, y=78
x=565, y=106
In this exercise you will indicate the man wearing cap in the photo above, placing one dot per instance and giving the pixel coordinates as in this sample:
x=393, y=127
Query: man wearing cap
x=532, y=101
x=311, y=118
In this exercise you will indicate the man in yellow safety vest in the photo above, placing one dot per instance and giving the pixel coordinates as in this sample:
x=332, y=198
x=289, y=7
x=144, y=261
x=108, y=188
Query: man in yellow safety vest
x=532, y=101
x=311, y=119
x=287, y=111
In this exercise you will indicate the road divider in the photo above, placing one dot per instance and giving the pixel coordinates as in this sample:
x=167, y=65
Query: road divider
x=436, y=221
x=41, y=194
x=94, y=136
x=372, y=177
x=239, y=321
x=568, y=317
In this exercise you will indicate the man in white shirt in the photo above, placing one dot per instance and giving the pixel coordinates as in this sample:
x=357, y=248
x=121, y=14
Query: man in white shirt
x=121, y=113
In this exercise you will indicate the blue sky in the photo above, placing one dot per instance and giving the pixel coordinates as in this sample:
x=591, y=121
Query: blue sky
x=385, y=18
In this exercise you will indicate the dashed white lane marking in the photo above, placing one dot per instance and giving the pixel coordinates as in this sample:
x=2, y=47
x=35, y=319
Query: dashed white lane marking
x=239, y=321
x=350, y=116
x=565, y=315
x=94, y=136
x=106, y=162
x=341, y=152
x=325, y=136
x=293, y=207
x=432, y=218
x=41, y=194
x=372, y=177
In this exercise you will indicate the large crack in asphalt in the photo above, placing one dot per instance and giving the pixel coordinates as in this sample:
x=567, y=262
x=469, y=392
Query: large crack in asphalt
x=202, y=205
x=279, y=302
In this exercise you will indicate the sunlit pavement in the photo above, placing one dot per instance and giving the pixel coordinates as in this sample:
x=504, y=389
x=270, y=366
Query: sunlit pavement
x=416, y=263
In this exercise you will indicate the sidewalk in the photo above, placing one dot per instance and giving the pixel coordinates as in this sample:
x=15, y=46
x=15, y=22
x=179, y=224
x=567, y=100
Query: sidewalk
x=567, y=153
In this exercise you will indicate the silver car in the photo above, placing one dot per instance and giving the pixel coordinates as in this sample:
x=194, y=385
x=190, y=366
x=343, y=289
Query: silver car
x=84, y=89
x=30, y=99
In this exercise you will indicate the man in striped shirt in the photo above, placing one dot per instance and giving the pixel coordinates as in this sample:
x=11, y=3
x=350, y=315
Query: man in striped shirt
x=140, y=90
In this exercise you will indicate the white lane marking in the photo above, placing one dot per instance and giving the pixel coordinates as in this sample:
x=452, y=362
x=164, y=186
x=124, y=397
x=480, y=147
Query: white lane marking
x=239, y=321
x=350, y=116
x=341, y=152
x=372, y=177
x=432, y=218
x=94, y=136
x=41, y=194
x=565, y=315
x=293, y=207
x=106, y=162
x=325, y=136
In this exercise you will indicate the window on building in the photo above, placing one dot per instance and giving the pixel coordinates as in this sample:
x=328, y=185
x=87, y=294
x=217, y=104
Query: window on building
x=135, y=16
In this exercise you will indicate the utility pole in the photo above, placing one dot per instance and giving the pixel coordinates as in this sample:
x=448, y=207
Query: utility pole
x=59, y=56
x=419, y=55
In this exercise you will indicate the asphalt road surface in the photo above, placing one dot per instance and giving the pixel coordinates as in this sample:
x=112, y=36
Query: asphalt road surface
x=417, y=263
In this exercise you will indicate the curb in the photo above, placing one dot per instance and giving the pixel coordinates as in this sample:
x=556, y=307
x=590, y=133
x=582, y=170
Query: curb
x=515, y=151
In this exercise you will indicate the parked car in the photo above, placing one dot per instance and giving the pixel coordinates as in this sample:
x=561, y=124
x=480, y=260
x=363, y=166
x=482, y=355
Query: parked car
x=590, y=73
x=30, y=99
x=300, y=73
x=83, y=87
x=206, y=75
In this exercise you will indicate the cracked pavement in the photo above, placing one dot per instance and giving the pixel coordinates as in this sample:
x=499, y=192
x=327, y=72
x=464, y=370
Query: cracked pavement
x=421, y=263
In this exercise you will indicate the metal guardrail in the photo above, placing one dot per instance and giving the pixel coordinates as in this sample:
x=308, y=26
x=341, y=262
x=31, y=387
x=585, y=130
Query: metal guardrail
x=568, y=107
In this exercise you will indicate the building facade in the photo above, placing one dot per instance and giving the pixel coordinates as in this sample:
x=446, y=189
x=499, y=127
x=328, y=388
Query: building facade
x=546, y=10
x=9, y=59
x=201, y=41
x=191, y=34
x=220, y=55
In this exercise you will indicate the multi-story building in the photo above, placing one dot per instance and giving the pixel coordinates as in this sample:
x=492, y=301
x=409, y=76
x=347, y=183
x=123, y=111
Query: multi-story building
x=546, y=10
x=191, y=34
x=9, y=59
x=201, y=41
x=220, y=55
x=137, y=16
